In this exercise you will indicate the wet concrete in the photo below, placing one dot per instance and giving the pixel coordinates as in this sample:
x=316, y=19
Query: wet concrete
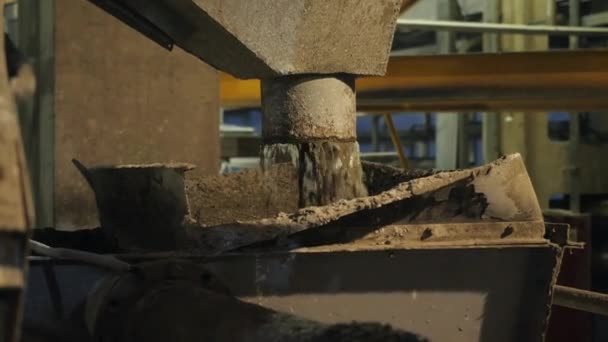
x=310, y=122
x=326, y=171
x=256, y=194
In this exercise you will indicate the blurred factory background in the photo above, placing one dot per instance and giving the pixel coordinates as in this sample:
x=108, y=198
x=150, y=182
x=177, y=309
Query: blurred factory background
x=463, y=88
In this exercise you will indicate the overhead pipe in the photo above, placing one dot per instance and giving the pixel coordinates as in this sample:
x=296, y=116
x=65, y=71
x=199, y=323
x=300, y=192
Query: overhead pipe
x=465, y=26
x=581, y=300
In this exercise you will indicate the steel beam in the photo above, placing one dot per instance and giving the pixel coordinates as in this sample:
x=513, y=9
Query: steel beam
x=557, y=80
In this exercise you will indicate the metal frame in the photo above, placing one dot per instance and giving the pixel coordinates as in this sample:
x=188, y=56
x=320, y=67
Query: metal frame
x=36, y=41
x=408, y=288
x=556, y=80
x=575, y=135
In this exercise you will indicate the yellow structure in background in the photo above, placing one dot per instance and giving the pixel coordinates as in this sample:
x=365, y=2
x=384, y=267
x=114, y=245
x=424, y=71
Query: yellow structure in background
x=564, y=80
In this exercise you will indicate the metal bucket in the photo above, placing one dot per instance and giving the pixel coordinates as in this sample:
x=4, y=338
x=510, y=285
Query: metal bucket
x=141, y=207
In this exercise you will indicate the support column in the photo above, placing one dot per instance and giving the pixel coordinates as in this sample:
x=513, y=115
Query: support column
x=491, y=121
x=310, y=121
x=36, y=33
x=575, y=132
x=449, y=133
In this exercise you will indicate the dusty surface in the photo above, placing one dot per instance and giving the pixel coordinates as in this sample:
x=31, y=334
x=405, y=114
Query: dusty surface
x=233, y=193
x=379, y=178
x=242, y=196
x=251, y=195
x=314, y=36
x=307, y=108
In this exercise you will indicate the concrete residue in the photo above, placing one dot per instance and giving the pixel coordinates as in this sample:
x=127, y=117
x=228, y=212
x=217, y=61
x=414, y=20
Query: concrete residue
x=283, y=328
x=379, y=177
x=243, y=196
x=254, y=195
x=437, y=198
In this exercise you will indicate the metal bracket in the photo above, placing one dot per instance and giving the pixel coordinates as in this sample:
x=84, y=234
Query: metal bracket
x=142, y=25
x=561, y=234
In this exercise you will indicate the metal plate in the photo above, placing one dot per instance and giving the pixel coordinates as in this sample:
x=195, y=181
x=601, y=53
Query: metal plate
x=458, y=294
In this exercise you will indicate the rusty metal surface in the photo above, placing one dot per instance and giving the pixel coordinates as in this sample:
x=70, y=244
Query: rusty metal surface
x=457, y=294
x=315, y=37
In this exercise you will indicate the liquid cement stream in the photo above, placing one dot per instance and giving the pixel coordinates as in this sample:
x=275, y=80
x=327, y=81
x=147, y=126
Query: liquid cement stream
x=327, y=171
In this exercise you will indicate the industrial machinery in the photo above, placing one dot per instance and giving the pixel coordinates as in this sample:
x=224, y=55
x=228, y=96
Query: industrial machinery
x=459, y=256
